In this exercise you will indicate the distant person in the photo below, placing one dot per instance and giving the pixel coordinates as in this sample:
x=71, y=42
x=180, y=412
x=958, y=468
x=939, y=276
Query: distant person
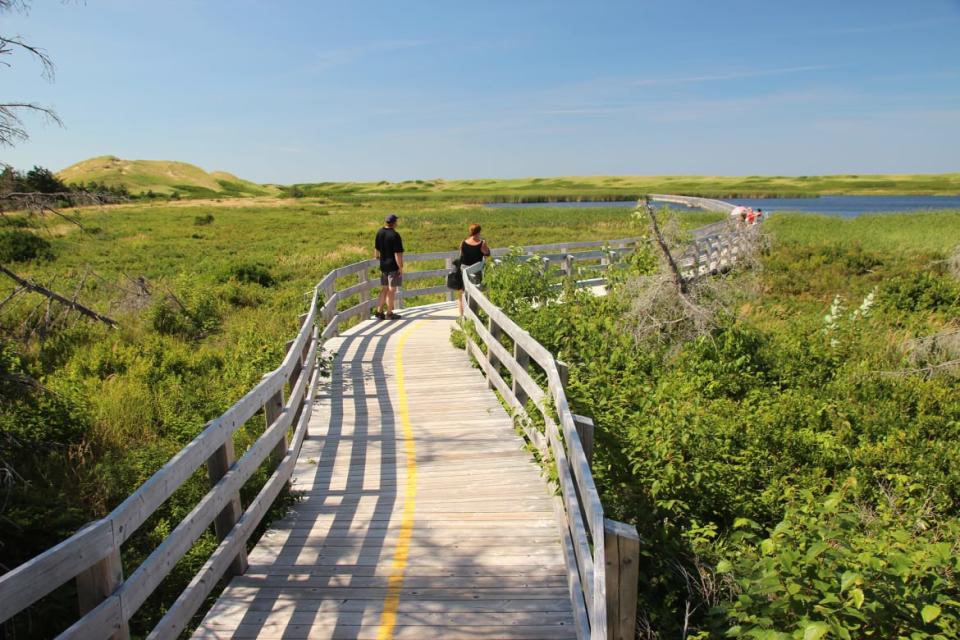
x=473, y=249
x=738, y=214
x=389, y=249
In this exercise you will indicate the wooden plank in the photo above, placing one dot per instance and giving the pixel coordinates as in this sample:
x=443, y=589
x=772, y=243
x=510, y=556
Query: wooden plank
x=575, y=589
x=106, y=621
x=97, y=584
x=133, y=511
x=161, y=561
x=585, y=431
x=190, y=600
x=217, y=467
x=622, y=546
x=497, y=353
x=35, y=578
x=399, y=632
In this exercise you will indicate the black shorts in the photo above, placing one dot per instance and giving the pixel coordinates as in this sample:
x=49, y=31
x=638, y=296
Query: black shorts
x=392, y=279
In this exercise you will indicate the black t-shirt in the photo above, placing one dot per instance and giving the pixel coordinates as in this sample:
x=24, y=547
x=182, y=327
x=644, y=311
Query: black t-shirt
x=388, y=242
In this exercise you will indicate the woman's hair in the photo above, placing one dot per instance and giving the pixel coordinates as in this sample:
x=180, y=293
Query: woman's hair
x=474, y=229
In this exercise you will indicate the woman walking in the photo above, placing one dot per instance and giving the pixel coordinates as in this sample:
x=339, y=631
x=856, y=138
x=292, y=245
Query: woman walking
x=472, y=250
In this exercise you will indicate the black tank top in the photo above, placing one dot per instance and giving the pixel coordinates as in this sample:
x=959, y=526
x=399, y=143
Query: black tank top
x=470, y=253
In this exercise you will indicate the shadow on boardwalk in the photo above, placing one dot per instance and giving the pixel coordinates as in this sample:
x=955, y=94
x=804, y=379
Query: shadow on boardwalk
x=482, y=558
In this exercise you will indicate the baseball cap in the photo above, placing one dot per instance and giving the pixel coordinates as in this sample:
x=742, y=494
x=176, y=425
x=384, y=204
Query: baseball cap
x=391, y=218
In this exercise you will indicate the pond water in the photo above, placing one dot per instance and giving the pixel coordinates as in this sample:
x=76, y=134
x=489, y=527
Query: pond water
x=843, y=206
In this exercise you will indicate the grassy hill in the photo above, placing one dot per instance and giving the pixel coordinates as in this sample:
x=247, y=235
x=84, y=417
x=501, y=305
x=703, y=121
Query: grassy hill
x=162, y=177
x=631, y=187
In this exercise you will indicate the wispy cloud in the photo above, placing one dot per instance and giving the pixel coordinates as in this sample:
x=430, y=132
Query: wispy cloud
x=732, y=75
x=324, y=60
x=700, y=108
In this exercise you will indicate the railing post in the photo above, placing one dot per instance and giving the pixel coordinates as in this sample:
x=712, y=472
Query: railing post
x=563, y=370
x=448, y=265
x=524, y=361
x=292, y=381
x=621, y=545
x=585, y=430
x=217, y=466
x=272, y=409
x=97, y=583
x=568, y=266
x=492, y=360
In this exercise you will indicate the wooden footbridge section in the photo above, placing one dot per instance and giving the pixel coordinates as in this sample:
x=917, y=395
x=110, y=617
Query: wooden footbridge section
x=421, y=514
x=424, y=506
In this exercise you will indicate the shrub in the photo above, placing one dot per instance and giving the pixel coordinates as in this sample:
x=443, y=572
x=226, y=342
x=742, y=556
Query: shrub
x=201, y=221
x=22, y=246
x=194, y=315
x=922, y=291
x=832, y=568
x=251, y=273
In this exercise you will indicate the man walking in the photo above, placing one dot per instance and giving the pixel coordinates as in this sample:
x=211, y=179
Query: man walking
x=389, y=249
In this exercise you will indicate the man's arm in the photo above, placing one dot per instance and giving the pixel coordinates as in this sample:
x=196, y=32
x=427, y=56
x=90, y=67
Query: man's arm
x=398, y=256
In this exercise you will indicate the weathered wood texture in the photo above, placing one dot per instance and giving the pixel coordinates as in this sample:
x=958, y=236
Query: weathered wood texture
x=92, y=556
x=583, y=513
x=623, y=572
x=480, y=556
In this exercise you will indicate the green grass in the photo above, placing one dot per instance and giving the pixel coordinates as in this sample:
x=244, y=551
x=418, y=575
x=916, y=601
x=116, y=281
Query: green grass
x=934, y=231
x=610, y=188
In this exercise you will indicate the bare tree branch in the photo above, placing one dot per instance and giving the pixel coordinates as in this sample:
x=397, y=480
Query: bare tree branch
x=681, y=303
x=678, y=279
x=9, y=45
x=47, y=203
x=12, y=129
x=56, y=296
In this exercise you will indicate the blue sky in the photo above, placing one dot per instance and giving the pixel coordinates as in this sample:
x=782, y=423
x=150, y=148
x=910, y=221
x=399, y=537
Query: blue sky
x=295, y=91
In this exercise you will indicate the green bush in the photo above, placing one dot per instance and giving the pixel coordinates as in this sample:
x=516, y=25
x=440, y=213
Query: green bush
x=22, y=246
x=195, y=314
x=715, y=446
x=251, y=273
x=836, y=568
x=923, y=291
x=201, y=221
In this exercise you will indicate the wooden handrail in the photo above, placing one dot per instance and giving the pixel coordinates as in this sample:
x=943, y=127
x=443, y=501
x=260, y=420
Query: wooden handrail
x=92, y=555
x=586, y=566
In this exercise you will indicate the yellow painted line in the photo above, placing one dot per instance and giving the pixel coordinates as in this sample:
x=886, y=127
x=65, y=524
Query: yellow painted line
x=388, y=619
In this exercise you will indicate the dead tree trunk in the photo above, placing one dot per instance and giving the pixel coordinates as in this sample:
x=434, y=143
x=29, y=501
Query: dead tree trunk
x=26, y=284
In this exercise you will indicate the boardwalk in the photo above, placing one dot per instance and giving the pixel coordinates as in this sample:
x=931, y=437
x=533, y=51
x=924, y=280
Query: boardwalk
x=421, y=514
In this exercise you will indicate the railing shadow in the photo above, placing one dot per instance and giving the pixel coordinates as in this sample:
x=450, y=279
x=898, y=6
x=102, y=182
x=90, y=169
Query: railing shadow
x=339, y=500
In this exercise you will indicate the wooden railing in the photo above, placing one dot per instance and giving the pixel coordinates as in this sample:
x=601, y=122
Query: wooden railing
x=715, y=252
x=715, y=247
x=92, y=556
x=601, y=555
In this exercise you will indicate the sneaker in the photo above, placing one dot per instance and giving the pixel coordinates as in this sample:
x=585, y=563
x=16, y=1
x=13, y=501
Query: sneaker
x=380, y=315
x=393, y=316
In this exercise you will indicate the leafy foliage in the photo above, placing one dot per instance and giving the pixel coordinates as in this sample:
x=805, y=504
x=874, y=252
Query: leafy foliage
x=786, y=485
x=18, y=245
